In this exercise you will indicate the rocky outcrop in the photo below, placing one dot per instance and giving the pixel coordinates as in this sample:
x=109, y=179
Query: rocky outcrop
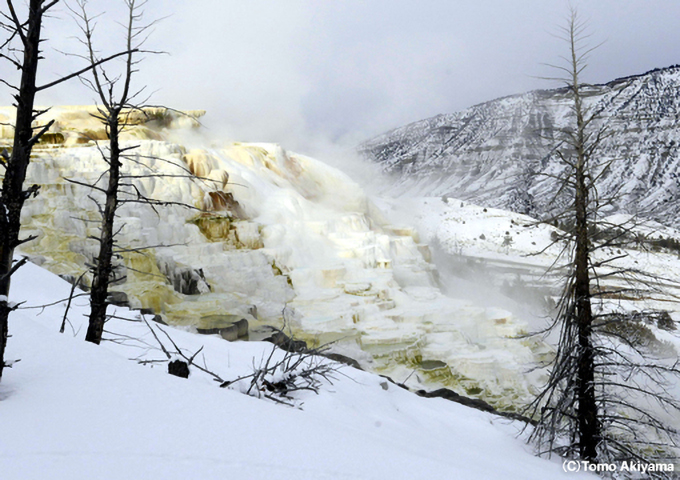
x=118, y=298
x=78, y=125
x=186, y=280
x=225, y=326
x=235, y=331
x=308, y=241
x=284, y=342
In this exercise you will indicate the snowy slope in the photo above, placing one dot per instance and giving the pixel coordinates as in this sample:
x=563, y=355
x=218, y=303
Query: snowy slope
x=72, y=410
x=495, y=153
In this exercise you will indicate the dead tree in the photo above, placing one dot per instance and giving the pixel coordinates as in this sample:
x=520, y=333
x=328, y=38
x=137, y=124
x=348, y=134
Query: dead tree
x=595, y=404
x=119, y=105
x=116, y=97
x=587, y=414
x=13, y=194
x=25, y=58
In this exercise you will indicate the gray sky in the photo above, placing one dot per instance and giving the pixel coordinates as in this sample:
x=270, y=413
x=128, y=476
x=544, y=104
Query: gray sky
x=304, y=72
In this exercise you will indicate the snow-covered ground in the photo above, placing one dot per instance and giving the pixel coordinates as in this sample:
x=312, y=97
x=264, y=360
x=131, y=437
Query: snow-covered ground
x=280, y=232
x=73, y=410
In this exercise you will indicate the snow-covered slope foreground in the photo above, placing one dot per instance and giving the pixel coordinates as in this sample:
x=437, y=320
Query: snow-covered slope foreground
x=271, y=230
x=502, y=153
x=73, y=410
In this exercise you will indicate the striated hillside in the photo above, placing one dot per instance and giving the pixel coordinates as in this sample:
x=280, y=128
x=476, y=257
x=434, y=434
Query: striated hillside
x=494, y=153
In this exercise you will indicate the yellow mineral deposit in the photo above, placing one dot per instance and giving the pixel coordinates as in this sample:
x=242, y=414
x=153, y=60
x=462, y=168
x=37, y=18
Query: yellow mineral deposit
x=269, y=229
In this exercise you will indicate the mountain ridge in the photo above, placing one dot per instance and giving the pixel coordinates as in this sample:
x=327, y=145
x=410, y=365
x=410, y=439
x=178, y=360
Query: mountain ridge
x=497, y=153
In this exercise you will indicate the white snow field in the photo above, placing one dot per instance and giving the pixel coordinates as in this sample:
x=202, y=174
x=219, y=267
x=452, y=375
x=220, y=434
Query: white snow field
x=73, y=410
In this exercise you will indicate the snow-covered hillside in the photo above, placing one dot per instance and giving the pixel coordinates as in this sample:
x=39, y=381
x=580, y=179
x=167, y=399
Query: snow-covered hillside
x=496, y=153
x=73, y=410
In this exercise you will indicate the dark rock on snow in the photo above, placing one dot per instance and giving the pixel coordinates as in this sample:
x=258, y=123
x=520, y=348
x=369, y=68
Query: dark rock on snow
x=179, y=368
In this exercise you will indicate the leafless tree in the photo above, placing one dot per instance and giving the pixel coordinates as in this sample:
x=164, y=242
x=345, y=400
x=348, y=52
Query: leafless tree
x=22, y=50
x=120, y=107
x=596, y=404
x=111, y=113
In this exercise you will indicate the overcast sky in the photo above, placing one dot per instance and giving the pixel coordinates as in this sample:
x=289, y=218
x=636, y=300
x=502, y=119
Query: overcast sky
x=297, y=72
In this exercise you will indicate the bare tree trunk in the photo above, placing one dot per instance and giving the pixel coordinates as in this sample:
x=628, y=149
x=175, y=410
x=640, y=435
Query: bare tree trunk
x=110, y=114
x=587, y=413
x=103, y=268
x=13, y=195
x=25, y=137
x=589, y=430
x=605, y=386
